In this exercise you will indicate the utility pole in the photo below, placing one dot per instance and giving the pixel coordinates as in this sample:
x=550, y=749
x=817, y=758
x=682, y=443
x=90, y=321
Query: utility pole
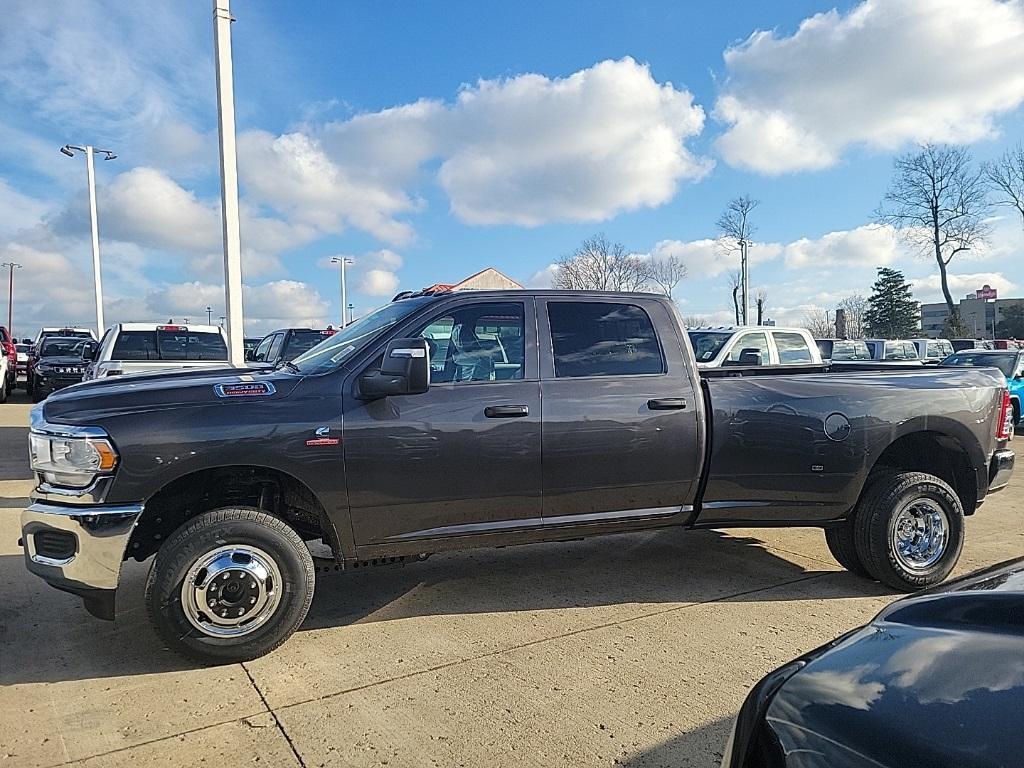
x=745, y=282
x=11, y=266
x=341, y=261
x=229, y=182
x=90, y=168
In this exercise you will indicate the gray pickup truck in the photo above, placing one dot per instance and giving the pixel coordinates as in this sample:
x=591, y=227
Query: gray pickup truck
x=478, y=419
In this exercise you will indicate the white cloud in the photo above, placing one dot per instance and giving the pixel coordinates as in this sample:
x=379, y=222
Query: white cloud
x=868, y=245
x=708, y=258
x=886, y=73
x=543, y=278
x=18, y=211
x=525, y=150
x=929, y=289
x=378, y=282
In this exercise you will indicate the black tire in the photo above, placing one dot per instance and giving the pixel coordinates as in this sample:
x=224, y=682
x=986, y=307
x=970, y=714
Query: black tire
x=204, y=534
x=887, y=494
x=4, y=391
x=841, y=543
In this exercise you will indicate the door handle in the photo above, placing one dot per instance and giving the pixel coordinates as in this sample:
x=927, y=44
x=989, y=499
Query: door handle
x=506, y=411
x=667, y=404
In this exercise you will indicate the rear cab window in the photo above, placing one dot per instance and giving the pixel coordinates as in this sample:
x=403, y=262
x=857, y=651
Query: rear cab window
x=749, y=349
x=900, y=350
x=169, y=344
x=603, y=339
x=792, y=348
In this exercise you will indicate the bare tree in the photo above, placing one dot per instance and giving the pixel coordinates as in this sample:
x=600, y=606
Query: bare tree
x=1005, y=177
x=666, y=272
x=761, y=299
x=818, y=322
x=600, y=265
x=938, y=201
x=736, y=282
x=735, y=224
x=695, y=321
x=854, y=308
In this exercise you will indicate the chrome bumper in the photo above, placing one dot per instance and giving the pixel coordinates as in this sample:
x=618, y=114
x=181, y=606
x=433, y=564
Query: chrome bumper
x=94, y=543
x=1000, y=469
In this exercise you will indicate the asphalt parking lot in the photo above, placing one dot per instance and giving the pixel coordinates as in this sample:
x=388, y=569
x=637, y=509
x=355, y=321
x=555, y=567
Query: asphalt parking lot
x=629, y=650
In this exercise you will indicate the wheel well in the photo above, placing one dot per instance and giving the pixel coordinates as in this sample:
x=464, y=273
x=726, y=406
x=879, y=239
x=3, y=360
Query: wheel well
x=276, y=492
x=939, y=455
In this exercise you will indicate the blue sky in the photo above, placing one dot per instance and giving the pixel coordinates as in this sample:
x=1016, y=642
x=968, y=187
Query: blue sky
x=429, y=141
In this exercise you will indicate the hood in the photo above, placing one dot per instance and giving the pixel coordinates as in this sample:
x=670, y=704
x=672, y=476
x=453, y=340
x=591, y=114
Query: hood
x=62, y=361
x=935, y=679
x=92, y=400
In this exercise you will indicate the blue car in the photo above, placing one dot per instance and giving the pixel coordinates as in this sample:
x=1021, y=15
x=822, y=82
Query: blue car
x=1009, y=361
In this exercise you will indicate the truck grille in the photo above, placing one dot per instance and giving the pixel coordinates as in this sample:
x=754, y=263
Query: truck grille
x=57, y=545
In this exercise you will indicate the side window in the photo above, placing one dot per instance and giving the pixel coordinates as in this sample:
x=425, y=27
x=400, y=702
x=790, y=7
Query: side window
x=792, y=348
x=749, y=349
x=477, y=342
x=599, y=339
x=275, y=347
x=260, y=355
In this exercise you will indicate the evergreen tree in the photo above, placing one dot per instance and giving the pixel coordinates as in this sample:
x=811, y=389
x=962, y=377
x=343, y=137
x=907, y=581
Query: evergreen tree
x=892, y=312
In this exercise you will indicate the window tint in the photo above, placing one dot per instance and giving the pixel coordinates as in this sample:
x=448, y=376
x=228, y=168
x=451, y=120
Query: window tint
x=275, y=346
x=936, y=350
x=303, y=341
x=260, y=355
x=169, y=345
x=477, y=342
x=792, y=348
x=850, y=350
x=900, y=350
x=598, y=339
x=749, y=349
x=707, y=344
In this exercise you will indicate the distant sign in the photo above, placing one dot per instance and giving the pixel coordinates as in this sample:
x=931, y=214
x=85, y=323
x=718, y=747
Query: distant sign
x=985, y=292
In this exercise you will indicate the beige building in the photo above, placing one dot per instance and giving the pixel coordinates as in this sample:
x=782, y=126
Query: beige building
x=981, y=312
x=488, y=279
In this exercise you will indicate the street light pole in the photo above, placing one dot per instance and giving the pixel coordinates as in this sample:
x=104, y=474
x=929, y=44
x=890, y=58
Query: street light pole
x=69, y=150
x=229, y=181
x=11, y=266
x=745, y=280
x=341, y=261
x=209, y=315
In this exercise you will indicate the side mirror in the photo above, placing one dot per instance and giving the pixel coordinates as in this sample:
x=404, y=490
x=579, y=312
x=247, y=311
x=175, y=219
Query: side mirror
x=89, y=350
x=404, y=371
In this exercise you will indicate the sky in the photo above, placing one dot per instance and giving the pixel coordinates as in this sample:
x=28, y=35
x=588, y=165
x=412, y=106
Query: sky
x=427, y=141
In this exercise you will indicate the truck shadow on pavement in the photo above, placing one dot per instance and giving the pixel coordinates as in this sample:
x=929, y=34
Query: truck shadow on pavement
x=701, y=746
x=14, y=453
x=46, y=635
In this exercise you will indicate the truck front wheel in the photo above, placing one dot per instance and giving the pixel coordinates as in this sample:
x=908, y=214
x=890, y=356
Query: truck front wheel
x=230, y=585
x=909, y=529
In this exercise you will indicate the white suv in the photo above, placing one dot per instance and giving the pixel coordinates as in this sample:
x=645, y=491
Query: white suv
x=142, y=347
x=753, y=345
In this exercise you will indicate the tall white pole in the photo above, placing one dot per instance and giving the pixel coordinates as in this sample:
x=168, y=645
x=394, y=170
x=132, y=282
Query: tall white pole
x=745, y=279
x=344, y=294
x=229, y=182
x=94, y=225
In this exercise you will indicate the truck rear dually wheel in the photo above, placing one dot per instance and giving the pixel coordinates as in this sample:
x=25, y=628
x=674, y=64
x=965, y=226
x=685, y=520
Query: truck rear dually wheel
x=909, y=529
x=230, y=585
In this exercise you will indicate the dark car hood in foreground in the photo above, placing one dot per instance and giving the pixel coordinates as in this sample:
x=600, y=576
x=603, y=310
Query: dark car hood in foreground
x=935, y=680
x=92, y=400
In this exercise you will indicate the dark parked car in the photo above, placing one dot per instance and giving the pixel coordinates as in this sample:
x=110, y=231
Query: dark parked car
x=935, y=681
x=486, y=418
x=1009, y=361
x=285, y=344
x=57, y=363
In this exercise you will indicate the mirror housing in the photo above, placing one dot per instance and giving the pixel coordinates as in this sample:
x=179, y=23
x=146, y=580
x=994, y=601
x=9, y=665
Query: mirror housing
x=90, y=350
x=405, y=370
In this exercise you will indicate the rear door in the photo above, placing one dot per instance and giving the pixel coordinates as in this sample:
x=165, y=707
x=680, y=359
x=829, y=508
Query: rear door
x=621, y=432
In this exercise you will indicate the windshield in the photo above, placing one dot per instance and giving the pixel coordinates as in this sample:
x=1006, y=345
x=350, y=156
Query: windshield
x=328, y=355
x=707, y=344
x=850, y=350
x=62, y=348
x=1004, y=363
x=303, y=341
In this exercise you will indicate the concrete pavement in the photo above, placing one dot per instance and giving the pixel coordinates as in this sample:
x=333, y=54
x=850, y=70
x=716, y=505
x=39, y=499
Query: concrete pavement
x=633, y=650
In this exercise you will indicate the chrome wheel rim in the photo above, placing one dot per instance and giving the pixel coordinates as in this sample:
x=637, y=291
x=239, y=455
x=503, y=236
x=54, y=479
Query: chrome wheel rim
x=920, y=533
x=231, y=591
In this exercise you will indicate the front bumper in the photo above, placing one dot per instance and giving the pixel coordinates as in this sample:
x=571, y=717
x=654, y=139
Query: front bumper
x=79, y=549
x=51, y=384
x=1000, y=469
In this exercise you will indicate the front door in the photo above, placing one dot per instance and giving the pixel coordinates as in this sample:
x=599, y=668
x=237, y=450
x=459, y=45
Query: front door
x=464, y=457
x=622, y=435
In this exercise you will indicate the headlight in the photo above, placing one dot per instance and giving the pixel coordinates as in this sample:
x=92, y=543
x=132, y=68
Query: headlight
x=70, y=461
